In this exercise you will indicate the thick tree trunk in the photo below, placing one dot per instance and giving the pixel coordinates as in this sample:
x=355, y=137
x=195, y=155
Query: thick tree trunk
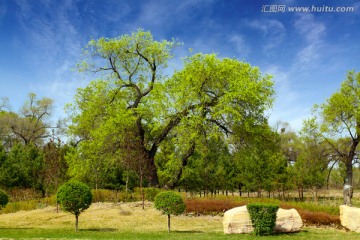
x=349, y=173
x=184, y=162
x=153, y=176
x=348, y=189
x=154, y=179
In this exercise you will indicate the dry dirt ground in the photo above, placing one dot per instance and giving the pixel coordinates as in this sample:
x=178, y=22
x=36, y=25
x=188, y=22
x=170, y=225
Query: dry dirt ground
x=127, y=217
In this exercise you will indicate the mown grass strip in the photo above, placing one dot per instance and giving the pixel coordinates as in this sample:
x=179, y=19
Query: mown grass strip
x=307, y=233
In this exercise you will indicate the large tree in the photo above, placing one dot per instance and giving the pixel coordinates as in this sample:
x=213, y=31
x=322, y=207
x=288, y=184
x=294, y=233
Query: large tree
x=133, y=91
x=259, y=159
x=337, y=121
x=30, y=126
x=55, y=166
x=311, y=166
x=22, y=167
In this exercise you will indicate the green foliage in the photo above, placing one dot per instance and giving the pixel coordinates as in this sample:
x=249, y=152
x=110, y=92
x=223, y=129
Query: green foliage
x=135, y=109
x=337, y=123
x=263, y=217
x=29, y=205
x=258, y=158
x=104, y=195
x=4, y=198
x=55, y=166
x=149, y=192
x=31, y=125
x=169, y=202
x=74, y=197
x=23, y=168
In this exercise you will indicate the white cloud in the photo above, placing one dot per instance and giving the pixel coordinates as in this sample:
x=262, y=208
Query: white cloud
x=268, y=27
x=239, y=44
x=273, y=32
x=288, y=106
x=286, y=95
x=61, y=88
x=53, y=44
x=49, y=32
x=164, y=14
x=312, y=34
x=310, y=29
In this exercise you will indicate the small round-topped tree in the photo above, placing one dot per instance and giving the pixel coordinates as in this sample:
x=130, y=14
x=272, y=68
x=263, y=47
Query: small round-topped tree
x=74, y=197
x=169, y=202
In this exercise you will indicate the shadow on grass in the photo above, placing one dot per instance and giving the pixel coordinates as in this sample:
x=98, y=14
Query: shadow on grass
x=290, y=233
x=99, y=230
x=178, y=231
x=23, y=228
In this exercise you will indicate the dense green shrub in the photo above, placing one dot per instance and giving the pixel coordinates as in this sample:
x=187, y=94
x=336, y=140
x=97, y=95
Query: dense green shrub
x=263, y=217
x=4, y=199
x=74, y=197
x=149, y=193
x=169, y=202
x=104, y=195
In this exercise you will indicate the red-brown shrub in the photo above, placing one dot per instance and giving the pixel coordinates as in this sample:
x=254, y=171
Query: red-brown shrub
x=315, y=218
x=201, y=206
x=209, y=206
x=319, y=218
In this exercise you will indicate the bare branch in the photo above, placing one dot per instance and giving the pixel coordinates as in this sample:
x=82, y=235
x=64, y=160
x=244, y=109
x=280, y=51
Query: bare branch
x=4, y=103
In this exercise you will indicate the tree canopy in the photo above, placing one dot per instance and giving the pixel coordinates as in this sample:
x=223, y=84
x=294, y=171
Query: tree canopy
x=206, y=98
x=168, y=203
x=202, y=127
x=337, y=121
x=74, y=197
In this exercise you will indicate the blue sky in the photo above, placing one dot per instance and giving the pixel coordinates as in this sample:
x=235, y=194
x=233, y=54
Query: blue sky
x=307, y=53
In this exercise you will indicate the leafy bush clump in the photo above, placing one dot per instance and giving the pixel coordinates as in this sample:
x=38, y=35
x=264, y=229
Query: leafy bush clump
x=150, y=193
x=4, y=199
x=169, y=202
x=104, y=195
x=263, y=217
x=74, y=197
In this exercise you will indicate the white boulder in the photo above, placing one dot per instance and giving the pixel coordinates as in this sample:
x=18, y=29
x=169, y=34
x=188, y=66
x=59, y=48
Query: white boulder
x=237, y=220
x=288, y=221
x=350, y=218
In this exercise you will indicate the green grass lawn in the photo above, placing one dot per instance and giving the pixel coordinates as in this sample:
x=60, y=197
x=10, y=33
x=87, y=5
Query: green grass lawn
x=30, y=233
x=130, y=221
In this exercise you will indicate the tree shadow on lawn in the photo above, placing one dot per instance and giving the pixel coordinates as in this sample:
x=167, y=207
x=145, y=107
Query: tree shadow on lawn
x=22, y=228
x=290, y=233
x=99, y=230
x=179, y=231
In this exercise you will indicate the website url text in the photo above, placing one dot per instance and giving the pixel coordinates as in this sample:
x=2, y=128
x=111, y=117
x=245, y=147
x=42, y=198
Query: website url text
x=312, y=9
